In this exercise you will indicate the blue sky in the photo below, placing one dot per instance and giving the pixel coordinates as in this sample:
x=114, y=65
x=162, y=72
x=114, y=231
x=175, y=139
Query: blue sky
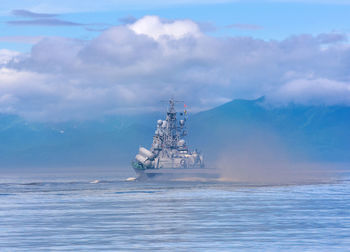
x=260, y=19
x=63, y=60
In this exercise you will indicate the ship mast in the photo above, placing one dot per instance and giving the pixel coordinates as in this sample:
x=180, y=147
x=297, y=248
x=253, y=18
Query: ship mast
x=169, y=131
x=171, y=136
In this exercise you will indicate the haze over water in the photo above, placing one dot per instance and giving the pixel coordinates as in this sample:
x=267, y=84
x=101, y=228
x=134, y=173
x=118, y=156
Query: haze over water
x=69, y=213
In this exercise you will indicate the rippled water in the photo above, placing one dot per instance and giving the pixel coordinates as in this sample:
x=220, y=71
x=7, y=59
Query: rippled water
x=69, y=214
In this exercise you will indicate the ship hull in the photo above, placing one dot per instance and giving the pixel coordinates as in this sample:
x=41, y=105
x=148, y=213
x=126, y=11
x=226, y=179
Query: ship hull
x=177, y=173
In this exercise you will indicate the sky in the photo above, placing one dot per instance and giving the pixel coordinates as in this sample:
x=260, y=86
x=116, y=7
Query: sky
x=77, y=60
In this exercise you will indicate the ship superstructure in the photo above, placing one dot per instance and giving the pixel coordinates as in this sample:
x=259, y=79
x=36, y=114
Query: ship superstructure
x=169, y=152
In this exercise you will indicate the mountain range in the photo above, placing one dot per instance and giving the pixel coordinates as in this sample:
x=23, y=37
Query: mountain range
x=252, y=128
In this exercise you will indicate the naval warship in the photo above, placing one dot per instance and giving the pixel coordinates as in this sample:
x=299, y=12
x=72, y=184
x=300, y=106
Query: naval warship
x=169, y=155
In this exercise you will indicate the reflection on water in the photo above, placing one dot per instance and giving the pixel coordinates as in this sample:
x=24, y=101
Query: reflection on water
x=44, y=215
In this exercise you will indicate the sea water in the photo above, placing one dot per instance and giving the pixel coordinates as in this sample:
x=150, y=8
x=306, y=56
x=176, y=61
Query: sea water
x=74, y=213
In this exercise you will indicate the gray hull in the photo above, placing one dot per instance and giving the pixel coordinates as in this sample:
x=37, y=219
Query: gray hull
x=177, y=173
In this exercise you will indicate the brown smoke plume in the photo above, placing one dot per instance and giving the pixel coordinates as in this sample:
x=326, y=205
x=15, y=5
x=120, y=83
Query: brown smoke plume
x=263, y=159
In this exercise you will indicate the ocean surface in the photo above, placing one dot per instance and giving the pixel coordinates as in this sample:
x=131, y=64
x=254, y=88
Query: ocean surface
x=107, y=213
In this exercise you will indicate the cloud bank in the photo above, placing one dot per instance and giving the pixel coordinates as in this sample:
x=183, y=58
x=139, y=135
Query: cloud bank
x=31, y=14
x=131, y=67
x=40, y=19
x=44, y=22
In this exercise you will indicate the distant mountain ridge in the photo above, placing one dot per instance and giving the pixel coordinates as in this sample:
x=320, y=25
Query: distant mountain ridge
x=305, y=132
x=102, y=142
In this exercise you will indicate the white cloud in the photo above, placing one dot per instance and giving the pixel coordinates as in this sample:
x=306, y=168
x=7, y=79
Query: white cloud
x=19, y=88
x=6, y=56
x=122, y=70
x=154, y=28
x=313, y=91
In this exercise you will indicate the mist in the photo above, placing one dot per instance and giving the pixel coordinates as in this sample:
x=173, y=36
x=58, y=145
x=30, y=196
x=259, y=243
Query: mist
x=265, y=159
